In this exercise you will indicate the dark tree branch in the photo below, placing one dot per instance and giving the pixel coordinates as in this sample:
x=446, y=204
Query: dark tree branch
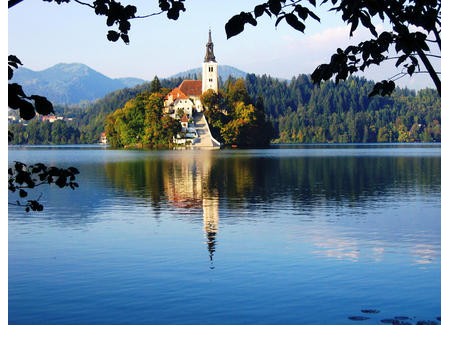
x=12, y=3
x=423, y=57
x=438, y=37
x=430, y=69
x=84, y=3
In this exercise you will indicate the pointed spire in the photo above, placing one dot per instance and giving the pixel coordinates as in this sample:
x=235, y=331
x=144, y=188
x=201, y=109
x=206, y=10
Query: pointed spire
x=210, y=49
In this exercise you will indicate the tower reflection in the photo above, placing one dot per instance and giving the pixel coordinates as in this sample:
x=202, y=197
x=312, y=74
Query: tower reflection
x=187, y=187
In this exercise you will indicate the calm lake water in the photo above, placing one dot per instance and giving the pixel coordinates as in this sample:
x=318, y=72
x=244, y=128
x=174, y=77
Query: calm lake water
x=287, y=235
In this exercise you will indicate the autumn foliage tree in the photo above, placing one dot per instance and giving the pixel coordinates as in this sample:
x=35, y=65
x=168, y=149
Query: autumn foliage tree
x=234, y=119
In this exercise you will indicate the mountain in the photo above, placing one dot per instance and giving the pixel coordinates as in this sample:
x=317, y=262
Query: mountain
x=69, y=83
x=224, y=72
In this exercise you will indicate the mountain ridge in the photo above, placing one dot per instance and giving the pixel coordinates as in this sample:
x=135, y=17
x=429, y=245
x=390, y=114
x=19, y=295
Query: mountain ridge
x=70, y=83
x=74, y=83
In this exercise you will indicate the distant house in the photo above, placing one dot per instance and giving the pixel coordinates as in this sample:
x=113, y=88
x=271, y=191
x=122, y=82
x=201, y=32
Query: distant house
x=103, y=139
x=184, y=121
x=51, y=118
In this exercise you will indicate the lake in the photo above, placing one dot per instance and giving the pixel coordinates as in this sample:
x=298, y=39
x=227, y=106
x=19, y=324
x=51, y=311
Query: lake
x=323, y=234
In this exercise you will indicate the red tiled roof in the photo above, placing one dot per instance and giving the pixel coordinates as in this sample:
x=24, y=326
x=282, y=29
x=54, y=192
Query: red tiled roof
x=184, y=118
x=177, y=94
x=191, y=87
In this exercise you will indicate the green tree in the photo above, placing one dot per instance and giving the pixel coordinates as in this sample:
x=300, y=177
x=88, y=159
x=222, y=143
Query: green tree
x=155, y=85
x=140, y=123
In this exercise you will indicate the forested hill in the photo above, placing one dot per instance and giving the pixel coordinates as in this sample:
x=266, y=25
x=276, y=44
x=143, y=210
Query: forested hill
x=300, y=112
x=344, y=112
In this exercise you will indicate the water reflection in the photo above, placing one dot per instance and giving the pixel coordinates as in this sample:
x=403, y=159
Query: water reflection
x=186, y=187
x=345, y=191
x=291, y=234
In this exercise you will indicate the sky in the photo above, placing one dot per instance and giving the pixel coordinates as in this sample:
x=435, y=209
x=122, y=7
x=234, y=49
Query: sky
x=43, y=34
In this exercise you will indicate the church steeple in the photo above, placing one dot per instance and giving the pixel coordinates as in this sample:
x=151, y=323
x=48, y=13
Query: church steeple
x=210, y=72
x=210, y=50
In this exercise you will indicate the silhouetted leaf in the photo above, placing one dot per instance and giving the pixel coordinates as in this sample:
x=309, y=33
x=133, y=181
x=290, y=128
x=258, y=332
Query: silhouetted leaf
x=275, y=6
x=61, y=182
x=292, y=20
x=401, y=59
x=164, y=5
x=113, y=36
x=383, y=88
x=124, y=26
x=15, y=89
x=234, y=26
x=26, y=110
x=130, y=11
x=42, y=105
x=281, y=17
x=125, y=38
x=110, y=20
x=314, y=16
x=259, y=10
x=322, y=72
x=10, y=73
x=73, y=170
x=173, y=13
x=355, y=23
x=100, y=8
x=14, y=61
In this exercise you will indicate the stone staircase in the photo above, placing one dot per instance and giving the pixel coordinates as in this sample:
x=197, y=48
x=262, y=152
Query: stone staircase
x=205, y=139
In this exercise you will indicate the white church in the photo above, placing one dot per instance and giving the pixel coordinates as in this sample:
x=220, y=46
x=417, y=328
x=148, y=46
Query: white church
x=183, y=102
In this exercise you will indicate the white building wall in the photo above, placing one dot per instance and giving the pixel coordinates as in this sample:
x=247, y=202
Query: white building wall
x=210, y=76
x=185, y=104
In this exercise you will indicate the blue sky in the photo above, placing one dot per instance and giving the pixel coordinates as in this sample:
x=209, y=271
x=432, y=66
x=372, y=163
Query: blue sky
x=43, y=34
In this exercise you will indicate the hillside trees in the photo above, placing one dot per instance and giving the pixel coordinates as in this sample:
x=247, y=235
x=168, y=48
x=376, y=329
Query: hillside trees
x=342, y=113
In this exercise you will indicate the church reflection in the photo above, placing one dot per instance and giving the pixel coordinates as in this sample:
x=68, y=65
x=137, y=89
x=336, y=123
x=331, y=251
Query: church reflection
x=194, y=184
x=187, y=187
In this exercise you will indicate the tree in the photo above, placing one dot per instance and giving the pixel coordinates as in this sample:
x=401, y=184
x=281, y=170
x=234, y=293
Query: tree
x=155, y=85
x=414, y=25
x=140, y=123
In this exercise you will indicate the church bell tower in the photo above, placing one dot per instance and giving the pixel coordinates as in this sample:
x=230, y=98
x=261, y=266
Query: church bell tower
x=210, y=73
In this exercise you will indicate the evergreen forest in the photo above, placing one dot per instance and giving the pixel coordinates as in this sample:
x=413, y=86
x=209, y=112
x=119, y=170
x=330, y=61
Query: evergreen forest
x=298, y=111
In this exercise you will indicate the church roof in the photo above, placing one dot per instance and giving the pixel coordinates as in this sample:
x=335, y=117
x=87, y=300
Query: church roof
x=178, y=94
x=210, y=50
x=191, y=87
